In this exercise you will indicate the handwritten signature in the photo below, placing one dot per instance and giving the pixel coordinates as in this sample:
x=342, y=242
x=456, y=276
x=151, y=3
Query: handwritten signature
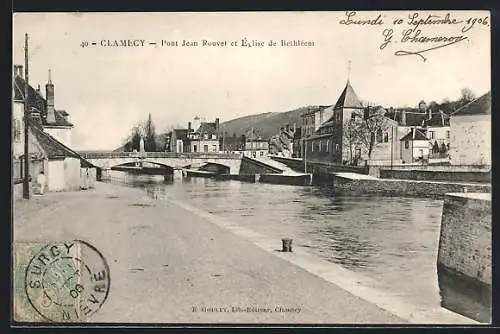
x=419, y=53
x=413, y=28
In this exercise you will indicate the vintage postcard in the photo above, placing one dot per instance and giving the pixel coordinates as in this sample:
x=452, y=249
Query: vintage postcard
x=252, y=168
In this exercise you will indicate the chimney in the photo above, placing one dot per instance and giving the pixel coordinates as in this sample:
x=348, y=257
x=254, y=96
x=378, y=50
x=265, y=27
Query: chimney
x=217, y=124
x=49, y=95
x=403, y=117
x=38, y=89
x=18, y=70
x=189, y=126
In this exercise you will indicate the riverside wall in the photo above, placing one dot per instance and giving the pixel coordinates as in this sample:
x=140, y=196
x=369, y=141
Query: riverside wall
x=464, y=256
x=429, y=175
x=404, y=187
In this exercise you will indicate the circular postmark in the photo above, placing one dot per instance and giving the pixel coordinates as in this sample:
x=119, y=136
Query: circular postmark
x=67, y=281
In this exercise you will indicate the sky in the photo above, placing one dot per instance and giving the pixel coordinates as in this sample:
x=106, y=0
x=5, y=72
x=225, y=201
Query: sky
x=107, y=90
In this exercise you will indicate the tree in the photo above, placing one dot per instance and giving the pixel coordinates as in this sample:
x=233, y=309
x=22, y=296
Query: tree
x=149, y=135
x=365, y=129
x=466, y=96
x=349, y=136
x=135, y=138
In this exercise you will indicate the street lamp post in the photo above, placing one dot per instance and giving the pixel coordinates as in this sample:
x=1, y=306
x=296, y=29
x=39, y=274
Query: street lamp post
x=26, y=184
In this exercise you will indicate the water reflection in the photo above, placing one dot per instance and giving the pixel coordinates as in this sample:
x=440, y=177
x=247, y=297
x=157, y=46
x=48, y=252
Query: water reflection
x=393, y=240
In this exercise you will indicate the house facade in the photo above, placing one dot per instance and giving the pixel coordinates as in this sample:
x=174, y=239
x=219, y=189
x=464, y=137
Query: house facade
x=470, y=133
x=255, y=145
x=49, y=134
x=205, y=138
x=311, y=120
x=415, y=146
x=54, y=122
x=327, y=142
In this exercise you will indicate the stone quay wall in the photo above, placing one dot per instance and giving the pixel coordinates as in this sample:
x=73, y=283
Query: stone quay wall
x=455, y=176
x=404, y=187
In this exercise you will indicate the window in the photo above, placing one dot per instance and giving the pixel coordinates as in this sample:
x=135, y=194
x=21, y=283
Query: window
x=205, y=136
x=205, y=148
x=214, y=137
x=336, y=147
x=261, y=153
x=312, y=146
x=353, y=116
x=195, y=148
x=379, y=136
x=320, y=145
x=328, y=145
x=431, y=134
x=214, y=148
x=386, y=137
x=448, y=134
x=407, y=144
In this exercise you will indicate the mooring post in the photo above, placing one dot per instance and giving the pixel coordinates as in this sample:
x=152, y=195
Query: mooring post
x=287, y=244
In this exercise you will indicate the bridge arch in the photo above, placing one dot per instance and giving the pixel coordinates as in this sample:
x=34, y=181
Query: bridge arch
x=145, y=167
x=216, y=167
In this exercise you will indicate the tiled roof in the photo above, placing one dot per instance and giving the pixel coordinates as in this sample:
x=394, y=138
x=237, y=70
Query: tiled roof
x=52, y=147
x=313, y=109
x=37, y=102
x=207, y=128
x=414, y=116
x=438, y=119
x=480, y=106
x=418, y=135
x=348, y=98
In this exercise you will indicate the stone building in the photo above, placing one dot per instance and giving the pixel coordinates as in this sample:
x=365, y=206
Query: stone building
x=204, y=138
x=326, y=144
x=255, y=145
x=415, y=146
x=49, y=135
x=470, y=128
x=54, y=122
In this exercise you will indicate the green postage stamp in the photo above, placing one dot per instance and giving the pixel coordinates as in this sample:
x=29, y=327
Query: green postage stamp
x=64, y=281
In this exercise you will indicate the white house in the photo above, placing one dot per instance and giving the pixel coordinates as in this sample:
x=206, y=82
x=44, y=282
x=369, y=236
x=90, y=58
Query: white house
x=414, y=146
x=54, y=122
x=470, y=128
x=49, y=133
x=205, y=137
x=255, y=146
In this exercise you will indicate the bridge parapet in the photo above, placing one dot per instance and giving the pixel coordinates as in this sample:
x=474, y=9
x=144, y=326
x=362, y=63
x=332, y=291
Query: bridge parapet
x=156, y=155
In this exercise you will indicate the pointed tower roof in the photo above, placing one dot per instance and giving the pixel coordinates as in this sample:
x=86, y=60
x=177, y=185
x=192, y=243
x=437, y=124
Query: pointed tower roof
x=348, y=98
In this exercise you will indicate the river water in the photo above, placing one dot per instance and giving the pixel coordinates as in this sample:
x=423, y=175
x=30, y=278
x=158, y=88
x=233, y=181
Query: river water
x=392, y=240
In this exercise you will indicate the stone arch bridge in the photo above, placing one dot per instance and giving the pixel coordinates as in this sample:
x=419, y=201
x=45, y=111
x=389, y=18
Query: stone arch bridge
x=172, y=160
